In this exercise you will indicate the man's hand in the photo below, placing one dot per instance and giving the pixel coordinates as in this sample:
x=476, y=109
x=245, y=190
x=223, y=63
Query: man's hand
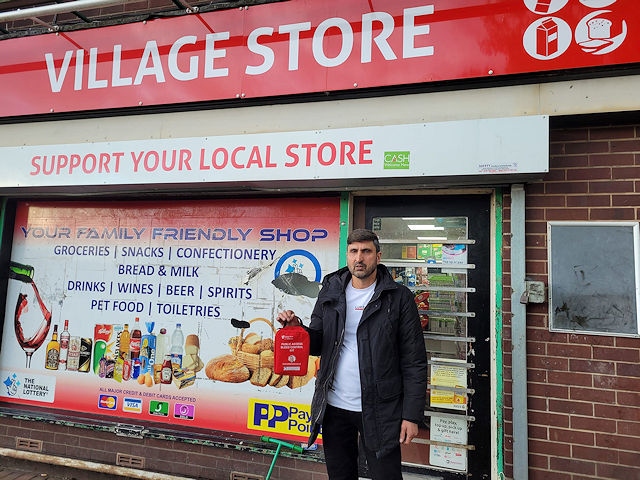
x=287, y=317
x=408, y=431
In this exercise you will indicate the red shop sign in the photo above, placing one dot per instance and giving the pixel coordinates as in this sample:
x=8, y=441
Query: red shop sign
x=304, y=46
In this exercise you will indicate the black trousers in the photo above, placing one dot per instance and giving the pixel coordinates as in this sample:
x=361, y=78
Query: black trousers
x=340, y=432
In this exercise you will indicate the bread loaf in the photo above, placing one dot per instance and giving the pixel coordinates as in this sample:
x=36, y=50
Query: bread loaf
x=227, y=368
x=261, y=376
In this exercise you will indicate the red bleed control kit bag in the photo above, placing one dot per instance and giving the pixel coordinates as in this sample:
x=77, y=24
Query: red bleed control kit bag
x=291, y=351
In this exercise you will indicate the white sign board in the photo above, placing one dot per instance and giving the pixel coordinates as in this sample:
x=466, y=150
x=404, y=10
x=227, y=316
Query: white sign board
x=497, y=146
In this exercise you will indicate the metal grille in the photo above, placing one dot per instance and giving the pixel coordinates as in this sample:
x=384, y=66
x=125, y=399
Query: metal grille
x=28, y=444
x=124, y=460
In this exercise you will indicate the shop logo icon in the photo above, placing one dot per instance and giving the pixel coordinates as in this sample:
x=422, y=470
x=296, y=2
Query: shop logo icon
x=396, y=160
x=598, y=33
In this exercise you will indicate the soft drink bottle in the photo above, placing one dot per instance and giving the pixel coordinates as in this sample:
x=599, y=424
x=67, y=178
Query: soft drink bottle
x=177, y=346
x=136, y=338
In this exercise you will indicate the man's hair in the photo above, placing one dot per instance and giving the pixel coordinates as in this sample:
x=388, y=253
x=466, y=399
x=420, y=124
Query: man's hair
x=363, y=235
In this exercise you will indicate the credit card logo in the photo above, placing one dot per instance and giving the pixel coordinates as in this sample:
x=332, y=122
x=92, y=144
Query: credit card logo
x=132, y=405
x=108, y=402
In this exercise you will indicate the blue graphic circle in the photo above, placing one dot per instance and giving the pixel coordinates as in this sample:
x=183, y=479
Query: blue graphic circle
x=303, y=253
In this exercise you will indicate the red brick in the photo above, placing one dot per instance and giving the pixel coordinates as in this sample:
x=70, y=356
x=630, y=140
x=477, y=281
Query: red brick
x=572, y=465
x=590, y=174
x=550, y=448
x=569, y=135
x=600, y=455
x=619, y=354
x=618, y=442
x=617, y=472
x=588, y=147
x=566, y=188
x=614, y=186
x=631, y=384
x=606, y=368
x=613, y=160
x=569, y=350
x=628, y=369
x=571, y=407
x=612, y=214
x=590, y=423
x=629, y=458
x=571, y=378
x=628, y=398
x=574, y=201
x=625, y=145
x=558, y=160
x=629, y=428
x=548, y=363
x=626, y=173
x=567, y=214
x=592, y=395
x=547, y=475
x=538, y=461
x=625, y=200
x=572, y=436
x=547, y=418
x=546, y=201
x=617, y=412
x=605, y=133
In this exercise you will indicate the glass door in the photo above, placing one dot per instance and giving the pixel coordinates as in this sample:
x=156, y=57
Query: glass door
x=438, y=248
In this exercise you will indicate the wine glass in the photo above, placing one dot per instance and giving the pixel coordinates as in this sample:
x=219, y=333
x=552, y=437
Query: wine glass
x=24, y=273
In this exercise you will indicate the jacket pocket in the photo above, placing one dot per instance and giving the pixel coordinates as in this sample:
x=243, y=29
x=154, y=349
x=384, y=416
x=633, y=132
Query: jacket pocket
x=389, y=388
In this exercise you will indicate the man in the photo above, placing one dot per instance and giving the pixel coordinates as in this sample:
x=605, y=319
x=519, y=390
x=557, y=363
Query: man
x=372, y=379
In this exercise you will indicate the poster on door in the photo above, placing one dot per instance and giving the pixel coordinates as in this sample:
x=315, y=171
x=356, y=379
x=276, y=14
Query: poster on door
x=164, y=311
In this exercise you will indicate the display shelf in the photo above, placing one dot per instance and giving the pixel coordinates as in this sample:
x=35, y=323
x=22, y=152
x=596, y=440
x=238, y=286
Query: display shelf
x=447, y=338
x=457, y=416
x=470, y=391
x=449, y=241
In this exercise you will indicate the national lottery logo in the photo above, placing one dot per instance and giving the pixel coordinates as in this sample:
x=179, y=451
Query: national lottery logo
x=279, y=417
x=12, y=383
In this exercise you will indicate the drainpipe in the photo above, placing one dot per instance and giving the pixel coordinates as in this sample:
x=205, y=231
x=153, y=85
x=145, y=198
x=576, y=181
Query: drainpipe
x=66, y=7
x=519, y=336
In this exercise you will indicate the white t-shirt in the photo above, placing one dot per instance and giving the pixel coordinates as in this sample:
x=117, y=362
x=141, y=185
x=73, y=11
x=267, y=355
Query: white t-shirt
x=345, y=391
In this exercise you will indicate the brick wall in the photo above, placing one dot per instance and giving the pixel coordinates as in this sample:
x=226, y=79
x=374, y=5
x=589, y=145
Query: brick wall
x=583, y=390
x=171, y=457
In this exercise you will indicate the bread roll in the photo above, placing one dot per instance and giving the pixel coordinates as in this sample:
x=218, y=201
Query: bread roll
x=227, y=368
x=252, y=339
x=250, y=348
x=266, y=344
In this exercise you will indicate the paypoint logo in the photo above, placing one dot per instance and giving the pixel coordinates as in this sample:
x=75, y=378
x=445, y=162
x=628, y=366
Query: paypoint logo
x=279, y=417
x=396, y=160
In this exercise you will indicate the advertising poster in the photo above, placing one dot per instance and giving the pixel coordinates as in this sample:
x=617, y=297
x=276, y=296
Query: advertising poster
x=448, y=374
x=164, y=311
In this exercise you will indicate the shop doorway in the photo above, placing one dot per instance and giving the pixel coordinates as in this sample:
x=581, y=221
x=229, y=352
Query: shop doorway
x=439, y=246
